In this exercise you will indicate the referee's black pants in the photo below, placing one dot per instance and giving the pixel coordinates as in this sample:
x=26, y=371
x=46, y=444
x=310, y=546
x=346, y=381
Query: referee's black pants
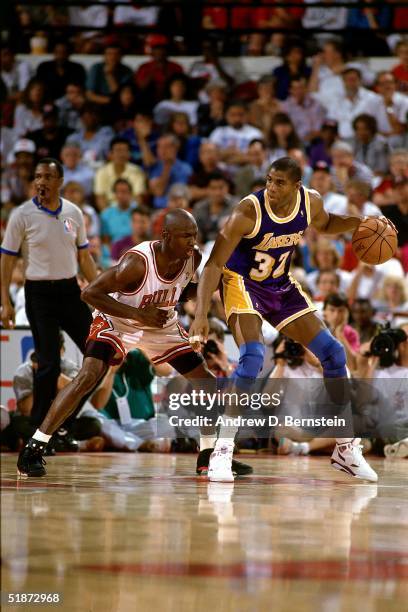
x=50, y=307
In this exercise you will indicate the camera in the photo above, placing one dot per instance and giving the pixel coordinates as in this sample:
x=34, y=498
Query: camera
x=293, y=353
x=385, y=344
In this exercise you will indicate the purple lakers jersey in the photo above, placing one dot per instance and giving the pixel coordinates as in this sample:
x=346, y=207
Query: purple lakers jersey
x=264, y=255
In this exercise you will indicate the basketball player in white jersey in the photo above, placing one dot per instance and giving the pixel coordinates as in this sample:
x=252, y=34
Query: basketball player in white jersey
x=135, y=307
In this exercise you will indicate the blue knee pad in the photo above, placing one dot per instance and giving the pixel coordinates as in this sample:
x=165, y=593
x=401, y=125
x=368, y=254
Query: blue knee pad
x=330, y=353
x=251, y=358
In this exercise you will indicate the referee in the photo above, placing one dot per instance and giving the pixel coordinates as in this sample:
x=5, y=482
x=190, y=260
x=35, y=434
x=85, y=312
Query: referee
x=50, y=233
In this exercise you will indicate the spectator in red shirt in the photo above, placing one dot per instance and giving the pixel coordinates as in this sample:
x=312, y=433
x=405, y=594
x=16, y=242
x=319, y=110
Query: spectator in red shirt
x=152, y=77
x=401, y=70
x=384, y=193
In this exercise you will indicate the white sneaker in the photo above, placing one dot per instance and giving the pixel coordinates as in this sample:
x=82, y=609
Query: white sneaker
x=399, y=449
x=219, y=469
x=348, y=458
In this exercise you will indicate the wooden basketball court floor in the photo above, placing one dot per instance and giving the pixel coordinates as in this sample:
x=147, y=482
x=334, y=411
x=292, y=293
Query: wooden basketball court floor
x=138, y=532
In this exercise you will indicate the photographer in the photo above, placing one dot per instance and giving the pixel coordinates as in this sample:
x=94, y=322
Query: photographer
x=294, y=361
x=382, y=403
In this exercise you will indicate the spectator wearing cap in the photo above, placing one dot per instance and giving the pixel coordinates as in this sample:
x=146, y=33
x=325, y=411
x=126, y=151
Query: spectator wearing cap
x=105, y=78
x=140, y=231
x=115, y=219
x=93, y=138
x=117, y=167
x=142, y=138
x=306, y=113
x=233, y=139
x=355, y=101
x=209, y=212
x=265, y=106
x=320, y=147
x=346, y=167
x=17, y=177
x=70, y=106
x=51, y=137
x=370, y=148
x=50, y=233
x=395, y=105
x=75, y=169
x=210, y=114
x=60, y=71
x=179, y=197
x=167, y=170
x=322, y=181
x=151, y=77
x=257, y=167
x=28, y=114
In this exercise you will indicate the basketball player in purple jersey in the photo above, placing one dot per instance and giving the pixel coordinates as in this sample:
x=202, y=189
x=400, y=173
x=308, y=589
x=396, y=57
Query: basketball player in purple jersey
x=252, y=257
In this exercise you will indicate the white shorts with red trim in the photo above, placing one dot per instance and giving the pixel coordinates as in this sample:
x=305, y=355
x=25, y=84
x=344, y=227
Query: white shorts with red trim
x=159, y=345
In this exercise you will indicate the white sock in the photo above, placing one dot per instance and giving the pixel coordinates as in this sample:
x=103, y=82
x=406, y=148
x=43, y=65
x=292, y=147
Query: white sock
x=41, y=437
x=355, y=441
x=226, y=436
x=207, y=442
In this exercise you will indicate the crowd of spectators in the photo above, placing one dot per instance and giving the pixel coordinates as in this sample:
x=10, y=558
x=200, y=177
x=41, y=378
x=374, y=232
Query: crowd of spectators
x=136, y=144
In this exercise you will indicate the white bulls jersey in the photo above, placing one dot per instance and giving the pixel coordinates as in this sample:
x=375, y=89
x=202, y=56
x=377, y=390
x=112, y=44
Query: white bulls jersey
x=154, y=290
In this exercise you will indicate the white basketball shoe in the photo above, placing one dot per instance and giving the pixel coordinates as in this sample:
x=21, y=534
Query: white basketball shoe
x=220, y=466
x=348, y=457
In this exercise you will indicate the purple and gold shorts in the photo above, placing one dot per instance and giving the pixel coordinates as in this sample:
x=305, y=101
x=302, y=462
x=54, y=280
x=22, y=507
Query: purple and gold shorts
x=278, y=305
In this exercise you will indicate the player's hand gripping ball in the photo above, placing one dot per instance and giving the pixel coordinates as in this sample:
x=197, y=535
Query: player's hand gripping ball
x=375, y=240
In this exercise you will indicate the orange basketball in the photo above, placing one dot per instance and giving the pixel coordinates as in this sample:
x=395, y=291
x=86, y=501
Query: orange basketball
x=374, y=241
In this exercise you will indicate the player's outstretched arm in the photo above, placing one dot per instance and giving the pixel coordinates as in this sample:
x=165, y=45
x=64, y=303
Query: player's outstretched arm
x=126, y=277
x=239, y=224
x=327, y=223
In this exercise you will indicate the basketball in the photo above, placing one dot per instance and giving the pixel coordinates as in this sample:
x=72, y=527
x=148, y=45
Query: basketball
x=374, y=241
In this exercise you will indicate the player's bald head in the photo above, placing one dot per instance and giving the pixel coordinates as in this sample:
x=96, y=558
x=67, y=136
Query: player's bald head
x=179, y=220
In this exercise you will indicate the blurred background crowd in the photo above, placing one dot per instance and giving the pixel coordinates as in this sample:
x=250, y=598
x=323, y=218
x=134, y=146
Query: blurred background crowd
x=137, y=143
